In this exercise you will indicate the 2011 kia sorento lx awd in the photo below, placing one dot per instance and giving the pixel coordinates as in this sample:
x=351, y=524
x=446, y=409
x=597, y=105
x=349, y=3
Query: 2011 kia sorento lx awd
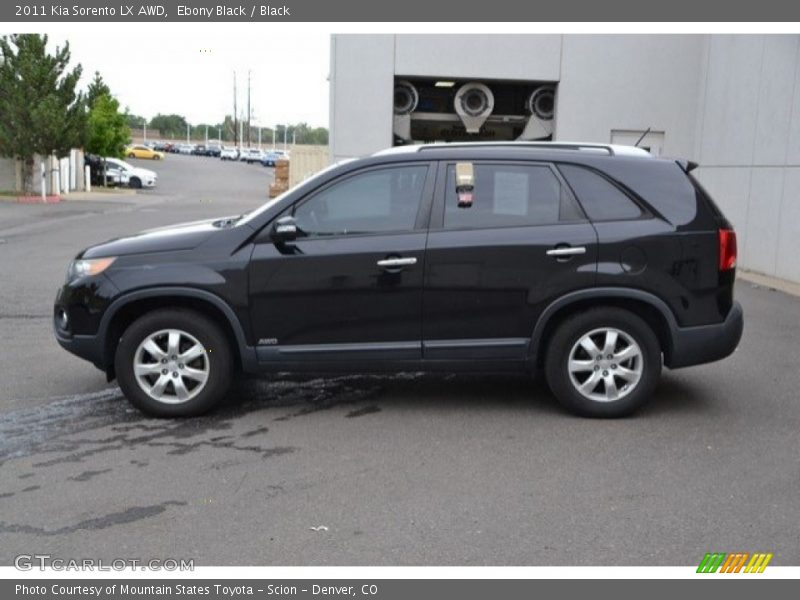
x=595, y=264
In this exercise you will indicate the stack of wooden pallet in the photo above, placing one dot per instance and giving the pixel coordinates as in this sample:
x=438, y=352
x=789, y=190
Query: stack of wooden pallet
x=281, y=183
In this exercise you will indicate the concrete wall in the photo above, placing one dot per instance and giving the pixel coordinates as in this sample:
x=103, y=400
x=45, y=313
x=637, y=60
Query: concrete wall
x=8, y=175
x=749, y=145
x=11, y=174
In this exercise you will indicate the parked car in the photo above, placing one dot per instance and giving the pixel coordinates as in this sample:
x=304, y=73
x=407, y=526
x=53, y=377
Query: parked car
x=272, y=156
x=186, y=148
x=199, y=150
x=229, y=153
x=171, y=147
x=160, y=146
x=103, y=173
x=213, y=150
x=594, y=264
x=136, y=177
x=142, y=151
x=251, y=155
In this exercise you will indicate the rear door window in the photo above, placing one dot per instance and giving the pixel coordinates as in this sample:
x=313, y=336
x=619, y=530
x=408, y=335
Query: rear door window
x=507, y=195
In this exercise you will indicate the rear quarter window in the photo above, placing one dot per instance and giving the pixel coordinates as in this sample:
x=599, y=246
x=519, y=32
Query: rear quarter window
x=661, y=183
x=601, y=199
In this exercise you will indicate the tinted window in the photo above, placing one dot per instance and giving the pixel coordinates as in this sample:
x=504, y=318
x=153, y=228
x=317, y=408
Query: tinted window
x=601, y=199
x=510, y=196
x=372, y=202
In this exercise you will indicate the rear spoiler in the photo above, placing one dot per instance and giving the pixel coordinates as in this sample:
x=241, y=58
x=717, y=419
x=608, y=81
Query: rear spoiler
x=687, y=165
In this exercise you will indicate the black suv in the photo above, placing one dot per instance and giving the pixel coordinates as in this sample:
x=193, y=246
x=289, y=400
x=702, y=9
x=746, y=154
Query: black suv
x=592, y=263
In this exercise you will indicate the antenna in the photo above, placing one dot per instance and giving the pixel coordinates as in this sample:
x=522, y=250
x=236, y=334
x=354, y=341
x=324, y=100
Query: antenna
x=644, y=135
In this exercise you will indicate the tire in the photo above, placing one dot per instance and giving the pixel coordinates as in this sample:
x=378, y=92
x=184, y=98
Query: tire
x=131, y=155
x=135, y=183
x=633, y=371
x=197, y=333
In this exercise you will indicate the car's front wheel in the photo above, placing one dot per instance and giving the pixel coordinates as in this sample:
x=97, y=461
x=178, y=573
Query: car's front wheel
x=135, y=182
x=604, y=362
x=174, y=363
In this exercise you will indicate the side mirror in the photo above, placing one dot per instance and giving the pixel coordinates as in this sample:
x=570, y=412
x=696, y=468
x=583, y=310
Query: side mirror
x=284, y=230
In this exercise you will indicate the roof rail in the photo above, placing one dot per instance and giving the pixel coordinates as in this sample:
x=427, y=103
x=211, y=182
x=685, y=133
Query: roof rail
x=608, y=149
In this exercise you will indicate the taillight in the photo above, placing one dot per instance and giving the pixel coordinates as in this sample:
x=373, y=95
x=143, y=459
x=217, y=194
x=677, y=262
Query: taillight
x=727, y=249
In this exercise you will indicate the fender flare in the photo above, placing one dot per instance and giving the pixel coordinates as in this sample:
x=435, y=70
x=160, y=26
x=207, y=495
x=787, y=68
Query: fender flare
x=601, y=293
x=247, y=353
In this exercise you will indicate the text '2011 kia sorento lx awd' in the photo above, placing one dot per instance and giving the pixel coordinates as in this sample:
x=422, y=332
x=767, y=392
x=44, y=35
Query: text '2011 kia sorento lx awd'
x=592, y=264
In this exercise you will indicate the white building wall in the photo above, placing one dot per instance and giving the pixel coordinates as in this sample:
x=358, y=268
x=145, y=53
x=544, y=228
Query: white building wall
x=749, y=145
x=524, y=57
x=632, y=82
x=732, y=103
x=361, y=94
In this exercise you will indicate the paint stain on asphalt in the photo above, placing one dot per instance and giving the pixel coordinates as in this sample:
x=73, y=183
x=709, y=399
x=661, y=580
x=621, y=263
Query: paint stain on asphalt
x=367, y=410
x=87, y=475
x=66, y=430
x=130, y=515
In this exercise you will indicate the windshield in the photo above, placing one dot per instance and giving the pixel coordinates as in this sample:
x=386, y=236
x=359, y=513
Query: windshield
x=308, y=182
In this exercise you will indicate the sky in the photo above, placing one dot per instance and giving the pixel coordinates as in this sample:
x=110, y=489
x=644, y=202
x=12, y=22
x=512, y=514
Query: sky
x=191, y=73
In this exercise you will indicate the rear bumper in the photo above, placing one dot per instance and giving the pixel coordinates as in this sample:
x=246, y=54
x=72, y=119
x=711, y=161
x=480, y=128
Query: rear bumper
x=707, y=343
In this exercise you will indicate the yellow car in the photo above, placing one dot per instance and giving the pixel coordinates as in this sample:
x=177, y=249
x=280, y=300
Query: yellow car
x=139, y=151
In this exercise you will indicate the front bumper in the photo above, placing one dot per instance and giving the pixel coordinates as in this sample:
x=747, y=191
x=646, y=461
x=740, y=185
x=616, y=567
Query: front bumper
x=87, y=347
x=706, y=343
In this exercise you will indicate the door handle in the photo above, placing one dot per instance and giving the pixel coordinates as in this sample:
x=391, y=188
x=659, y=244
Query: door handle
x=567, y=251
x=393, y=263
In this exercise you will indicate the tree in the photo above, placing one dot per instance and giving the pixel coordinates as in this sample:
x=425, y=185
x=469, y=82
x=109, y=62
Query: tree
x=107, y=131
x=40, y=110
x=96, y=89
x=170, y=126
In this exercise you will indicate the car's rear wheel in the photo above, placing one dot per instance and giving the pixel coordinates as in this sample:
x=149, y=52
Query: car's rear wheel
x=604, y=362
x=174, y=363
x=131, y=155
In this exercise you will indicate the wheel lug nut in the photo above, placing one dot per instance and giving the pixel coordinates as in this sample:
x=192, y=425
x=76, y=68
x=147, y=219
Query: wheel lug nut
x=174, y=373
x=175, y=357
x=605, y=373
x=163, y=361
x=597, y=367
x=613, y=366
x=609, y=357
x=180, y=365
x=164, y=371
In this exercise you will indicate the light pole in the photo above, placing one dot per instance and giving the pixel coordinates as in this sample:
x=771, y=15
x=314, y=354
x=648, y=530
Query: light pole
x=285, y=131
x=259, y=137
x=274, y=129
x=219, y=134
x=187, y=132
x=206, y=135
x=144, y=123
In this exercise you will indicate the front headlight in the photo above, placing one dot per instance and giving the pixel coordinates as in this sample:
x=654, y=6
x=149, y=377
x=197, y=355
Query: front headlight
x=88, y=266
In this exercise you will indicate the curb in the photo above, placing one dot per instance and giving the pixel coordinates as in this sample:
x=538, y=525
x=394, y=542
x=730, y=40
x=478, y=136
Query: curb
x=38, y=199
x=773, y=283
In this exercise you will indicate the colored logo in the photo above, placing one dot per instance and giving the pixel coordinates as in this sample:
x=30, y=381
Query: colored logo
x=735, y=562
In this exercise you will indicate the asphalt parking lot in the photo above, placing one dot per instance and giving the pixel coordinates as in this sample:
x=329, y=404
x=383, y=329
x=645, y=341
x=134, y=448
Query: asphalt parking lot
x=410, y=470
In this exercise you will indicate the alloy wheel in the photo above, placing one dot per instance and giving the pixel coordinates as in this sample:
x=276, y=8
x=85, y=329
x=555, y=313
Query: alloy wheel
x=605, y=364
x=171, y=366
